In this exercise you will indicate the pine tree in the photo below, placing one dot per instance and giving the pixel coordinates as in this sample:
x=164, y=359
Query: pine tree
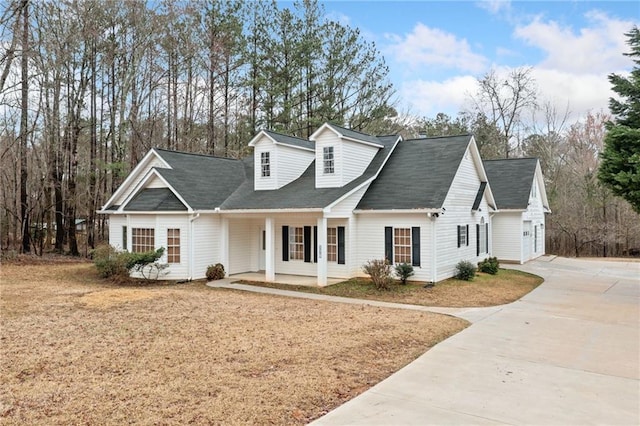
x=620, y=167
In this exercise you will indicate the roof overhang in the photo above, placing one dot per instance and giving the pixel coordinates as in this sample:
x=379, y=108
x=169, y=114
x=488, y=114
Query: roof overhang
x=337, y=132
x=263, y=133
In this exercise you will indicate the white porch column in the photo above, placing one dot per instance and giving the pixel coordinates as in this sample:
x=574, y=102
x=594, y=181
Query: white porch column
x=270, y=249
x=322, y=251
x=224, y=244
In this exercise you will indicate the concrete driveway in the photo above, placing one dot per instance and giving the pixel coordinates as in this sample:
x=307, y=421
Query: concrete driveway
x=568, y=353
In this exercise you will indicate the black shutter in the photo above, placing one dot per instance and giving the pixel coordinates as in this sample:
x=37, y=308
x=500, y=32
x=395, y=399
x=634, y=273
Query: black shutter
x=467, y=234
x=486, y=240
x=415, y=246
x=315, y=244
x=285, y=243
x=477, y=239
x=124, y=238
x=459, y=230
x=388, y=243
x=307, y=244
x=341, y=245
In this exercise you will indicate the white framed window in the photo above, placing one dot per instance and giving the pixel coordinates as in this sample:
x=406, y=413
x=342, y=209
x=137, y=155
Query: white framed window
x=142, y=240
x=296, y=243
x=173, y=245
x=401, y=245
x=332, y=244
x=328, y=158
x=265, y=164
x=463, y=235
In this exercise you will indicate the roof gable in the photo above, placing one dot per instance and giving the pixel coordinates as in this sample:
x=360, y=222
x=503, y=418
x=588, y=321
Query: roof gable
x=278, y=138
x=418, y=174
x=348, y=134
x=155, y=199
x=511, y=180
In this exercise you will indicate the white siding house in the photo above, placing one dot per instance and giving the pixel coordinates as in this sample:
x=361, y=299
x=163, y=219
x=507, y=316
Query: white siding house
x=519, y=223
x=296, y=207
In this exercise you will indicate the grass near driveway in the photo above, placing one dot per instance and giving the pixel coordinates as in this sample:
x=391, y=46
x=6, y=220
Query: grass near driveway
x=75, y=350
x=485, y=290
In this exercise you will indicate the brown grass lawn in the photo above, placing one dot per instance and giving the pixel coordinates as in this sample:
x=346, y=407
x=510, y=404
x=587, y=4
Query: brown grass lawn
x=485, y=290
x=76, y=350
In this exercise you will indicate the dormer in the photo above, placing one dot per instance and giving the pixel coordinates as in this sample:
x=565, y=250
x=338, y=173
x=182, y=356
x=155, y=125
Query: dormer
x=279, y=159
x=341, y=154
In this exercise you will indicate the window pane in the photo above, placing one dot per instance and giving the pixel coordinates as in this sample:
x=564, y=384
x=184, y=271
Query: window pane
x=402, y=245
x=173, y=245
x=332, y=244
x=296, y=243
x=142, y=240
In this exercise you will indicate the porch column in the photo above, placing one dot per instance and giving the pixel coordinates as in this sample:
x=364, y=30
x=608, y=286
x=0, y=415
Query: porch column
x=322, y=251
x=224, y=244
x=270, y=249
x=434, y=250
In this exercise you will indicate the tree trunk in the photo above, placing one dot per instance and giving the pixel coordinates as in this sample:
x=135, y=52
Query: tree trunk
x=24, y=208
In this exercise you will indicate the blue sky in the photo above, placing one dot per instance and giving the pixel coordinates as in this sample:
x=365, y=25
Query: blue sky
x=437, y=49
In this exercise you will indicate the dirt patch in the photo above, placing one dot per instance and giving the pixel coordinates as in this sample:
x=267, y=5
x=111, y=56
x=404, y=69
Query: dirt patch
x=112, y=297
x=189, y=354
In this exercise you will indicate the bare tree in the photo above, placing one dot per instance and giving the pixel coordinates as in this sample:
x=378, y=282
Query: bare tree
x=504, y=99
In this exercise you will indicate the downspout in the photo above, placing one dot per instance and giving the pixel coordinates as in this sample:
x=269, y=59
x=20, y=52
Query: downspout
x=191, y=250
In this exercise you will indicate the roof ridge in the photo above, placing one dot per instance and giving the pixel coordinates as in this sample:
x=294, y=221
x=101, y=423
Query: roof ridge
x=511, y=159
x=173, y=151
x=439, y=137
x=351, y=130
x=289, y=136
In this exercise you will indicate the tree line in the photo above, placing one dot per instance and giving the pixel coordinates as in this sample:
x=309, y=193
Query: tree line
x=88, y=87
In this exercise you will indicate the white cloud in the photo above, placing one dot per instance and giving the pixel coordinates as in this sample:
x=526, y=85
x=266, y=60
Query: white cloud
x=582, y=93
x=428, y=98
x=495, y=6
x=597, y=48
x=435, y=48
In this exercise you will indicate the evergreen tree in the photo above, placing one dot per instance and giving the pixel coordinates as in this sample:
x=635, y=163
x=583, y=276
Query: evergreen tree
x=620, y=167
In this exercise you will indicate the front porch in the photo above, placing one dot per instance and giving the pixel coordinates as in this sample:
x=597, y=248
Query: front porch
x=304, y=280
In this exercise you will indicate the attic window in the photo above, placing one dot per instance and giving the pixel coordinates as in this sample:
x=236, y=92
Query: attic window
x=265, y=164
x=327, y=155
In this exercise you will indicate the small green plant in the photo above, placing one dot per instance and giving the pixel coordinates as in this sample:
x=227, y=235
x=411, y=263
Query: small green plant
x=465, y=270
x=117, y=265
x=489, y=266
x=380, y=272
x=215, y=272
x=404, y=271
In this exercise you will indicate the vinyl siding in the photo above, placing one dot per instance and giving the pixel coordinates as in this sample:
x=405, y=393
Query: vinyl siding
x=290, y=164
x=153, y=162
x=333, y=180
x=181, y=222
x=116, y=222
x=345, y=207
x=244, y=238
x=260, y=182
x=206, y=251
x=458, y=204
x=155, y=182
x=370, y=244
x=356, y=158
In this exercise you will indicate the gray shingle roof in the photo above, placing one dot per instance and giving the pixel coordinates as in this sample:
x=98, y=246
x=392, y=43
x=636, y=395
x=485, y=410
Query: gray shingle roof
x=302, y=192
x=155, y=199
x=353, y=134
x=511, y=181
x=418, y=174
x=291, y=140
x=203, y=181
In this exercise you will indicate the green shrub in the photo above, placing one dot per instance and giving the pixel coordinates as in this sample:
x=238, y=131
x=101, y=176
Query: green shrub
x=465, y=270
x=117, y=265
x=404, y=271
x=110, y=263
x=215, y=272
x=380, y=272
x=489, y=266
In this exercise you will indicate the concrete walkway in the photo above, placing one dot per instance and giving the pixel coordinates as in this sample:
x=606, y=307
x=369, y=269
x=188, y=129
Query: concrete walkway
x=567, y=353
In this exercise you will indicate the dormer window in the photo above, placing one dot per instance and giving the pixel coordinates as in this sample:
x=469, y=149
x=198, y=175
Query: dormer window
x=265, y=164
x=327, y=155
